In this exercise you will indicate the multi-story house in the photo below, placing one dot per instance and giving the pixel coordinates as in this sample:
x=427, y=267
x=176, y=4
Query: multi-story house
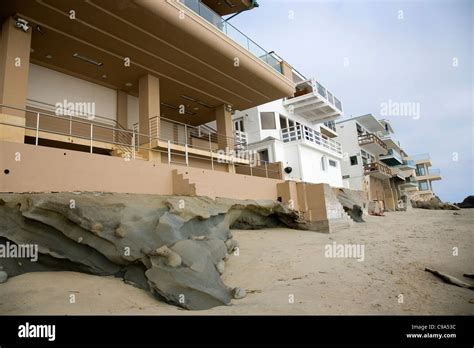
x=424, y=174
x=373, y=160
x=132, y=78
x=298, y=131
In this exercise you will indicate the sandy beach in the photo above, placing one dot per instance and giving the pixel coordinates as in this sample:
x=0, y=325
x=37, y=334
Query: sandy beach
x=286, y=272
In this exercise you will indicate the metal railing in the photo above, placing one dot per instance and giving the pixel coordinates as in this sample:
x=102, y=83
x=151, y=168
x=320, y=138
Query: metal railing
x=369, y=138
x=331, y=125
x=97, y=135
x=243, y=40
x=301, y=132
x=393, y=153
x=377, y=167
x=314, y=87
x=421, y=157
x=198, y=137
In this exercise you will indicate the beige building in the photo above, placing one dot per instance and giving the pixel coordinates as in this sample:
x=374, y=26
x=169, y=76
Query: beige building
x=424, y=174
x=117, y=96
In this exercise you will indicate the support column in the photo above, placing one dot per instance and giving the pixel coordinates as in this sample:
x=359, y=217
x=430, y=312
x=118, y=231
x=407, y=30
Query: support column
x=15, y=46
x=225, y=134
x=122, y=108
x=149, y=107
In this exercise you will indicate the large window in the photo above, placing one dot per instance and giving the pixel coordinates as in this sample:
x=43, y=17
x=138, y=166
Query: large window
x=423, y=185
x=267, y=120
x=420, y=170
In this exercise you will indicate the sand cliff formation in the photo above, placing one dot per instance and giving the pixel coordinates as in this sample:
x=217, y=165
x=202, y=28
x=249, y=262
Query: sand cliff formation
x=175, y=247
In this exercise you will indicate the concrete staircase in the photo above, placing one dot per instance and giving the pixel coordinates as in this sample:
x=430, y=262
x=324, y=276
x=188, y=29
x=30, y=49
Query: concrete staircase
x=198, y=185
x=348, y=198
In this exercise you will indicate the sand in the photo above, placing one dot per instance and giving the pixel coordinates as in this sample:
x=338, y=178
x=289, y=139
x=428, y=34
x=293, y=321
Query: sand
x=276, y=266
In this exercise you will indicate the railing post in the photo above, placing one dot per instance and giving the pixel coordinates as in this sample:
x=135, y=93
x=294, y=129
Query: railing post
x=70, y=125
x=133, y=144
x=210, y=149
x=251, y=172
x=92, y=131
x=149, y=134
x=37, y=127
x=186, y=154
x=266, y=169
x=169, y=152
x=185, y=135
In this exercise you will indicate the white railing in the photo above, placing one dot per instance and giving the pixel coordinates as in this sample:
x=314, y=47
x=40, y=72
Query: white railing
x=301, y=132
x=199, y=137
x=314, y=87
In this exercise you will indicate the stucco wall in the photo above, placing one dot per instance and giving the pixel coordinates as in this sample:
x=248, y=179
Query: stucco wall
x=29, y=168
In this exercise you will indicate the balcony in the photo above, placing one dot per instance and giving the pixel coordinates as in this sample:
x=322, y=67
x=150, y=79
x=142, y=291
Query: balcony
x=421, y=158
x=378, y=170
x=314, y=102
x=372, y=143
x=328, y=128
x=388, y=139
x=410, y=184
x=312, y=137
x=434, y=174
x=407, y=165
x=392, y=158
x=232, y=32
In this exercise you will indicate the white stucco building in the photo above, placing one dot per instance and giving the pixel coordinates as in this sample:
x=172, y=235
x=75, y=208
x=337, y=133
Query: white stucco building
x=297, y=131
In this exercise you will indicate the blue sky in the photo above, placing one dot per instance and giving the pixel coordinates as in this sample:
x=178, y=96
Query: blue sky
x=370, y=52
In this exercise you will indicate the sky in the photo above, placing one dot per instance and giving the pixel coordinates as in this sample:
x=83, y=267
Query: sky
x=372, y=53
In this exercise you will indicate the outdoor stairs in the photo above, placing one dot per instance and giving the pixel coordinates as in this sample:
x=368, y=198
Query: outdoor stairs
x=197, y=186
x=347, y=200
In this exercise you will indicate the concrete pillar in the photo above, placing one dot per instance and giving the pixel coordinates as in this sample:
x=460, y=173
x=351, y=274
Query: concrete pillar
x=122, y=108
x=286, y=70
x=225, y=134
x=149, y=107
x=15, y=49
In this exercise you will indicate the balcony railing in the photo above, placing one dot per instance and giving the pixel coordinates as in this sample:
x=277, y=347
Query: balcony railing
x=421, y=157
x=93, y=133
x=313, y=86
x=301, y=132
x=331, y=125
x=198, y=137
x=377, y=167
x=393, y=153
x=369, y=138
x=436, y=172
x=408, y=164
x=232, y=32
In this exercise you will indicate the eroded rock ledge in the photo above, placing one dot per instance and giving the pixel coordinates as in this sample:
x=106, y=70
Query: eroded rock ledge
x=175, y=247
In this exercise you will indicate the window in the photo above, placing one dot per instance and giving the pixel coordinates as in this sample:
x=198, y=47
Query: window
x=283, y=122
x=263, y=155
x=267, y=120
x=323, y=163
x=239, y=124
x=353, y=160
x=346, y=176
x=420, y=170
x=332, y=163
x=423, y=186
x=360, y=130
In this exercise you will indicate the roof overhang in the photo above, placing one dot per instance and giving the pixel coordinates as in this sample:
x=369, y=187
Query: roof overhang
x=191, y=57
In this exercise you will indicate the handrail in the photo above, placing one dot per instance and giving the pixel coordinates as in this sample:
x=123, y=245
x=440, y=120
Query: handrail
x=368, y=138
x=111, y=120
x=302, y=132
x=224, y=26
x=126, y=141
x=377, y=167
